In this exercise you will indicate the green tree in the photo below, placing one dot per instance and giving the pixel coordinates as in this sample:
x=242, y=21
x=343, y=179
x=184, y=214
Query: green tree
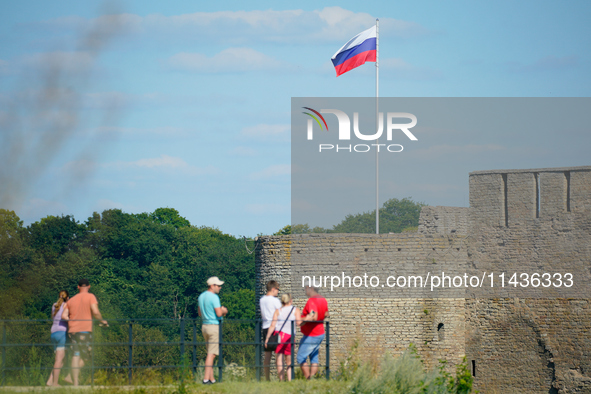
x=157, y=268
x=240, y=303
x=169, y=216
x=395, y=216
x=53, y=236
x=10, y=224
x=140, y=265
x=11, y=228
x=286, y=230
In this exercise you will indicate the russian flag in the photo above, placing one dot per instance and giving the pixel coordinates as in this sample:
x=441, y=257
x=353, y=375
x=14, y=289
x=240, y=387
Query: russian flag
x=360, y=49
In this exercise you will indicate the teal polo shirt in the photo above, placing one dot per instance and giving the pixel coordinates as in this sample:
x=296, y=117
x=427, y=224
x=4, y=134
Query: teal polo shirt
x=208, y=301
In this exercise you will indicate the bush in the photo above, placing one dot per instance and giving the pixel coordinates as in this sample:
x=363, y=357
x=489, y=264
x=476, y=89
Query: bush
x=405, y=374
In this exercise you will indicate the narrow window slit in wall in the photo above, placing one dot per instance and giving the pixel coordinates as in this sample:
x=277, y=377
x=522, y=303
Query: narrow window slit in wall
x=505, y=206
x=473, y=367
x=537, y=179
x=567, y=197
x=440, y=332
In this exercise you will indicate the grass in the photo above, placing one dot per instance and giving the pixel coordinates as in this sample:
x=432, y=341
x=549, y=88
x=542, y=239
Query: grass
x=253, y=387
x=403, y=374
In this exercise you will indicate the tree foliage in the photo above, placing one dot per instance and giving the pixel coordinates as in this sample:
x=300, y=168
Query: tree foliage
x=396, y=216
x=149, y=265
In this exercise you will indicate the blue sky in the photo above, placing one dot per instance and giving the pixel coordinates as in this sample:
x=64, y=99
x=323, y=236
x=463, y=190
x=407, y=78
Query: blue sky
x=145, y=104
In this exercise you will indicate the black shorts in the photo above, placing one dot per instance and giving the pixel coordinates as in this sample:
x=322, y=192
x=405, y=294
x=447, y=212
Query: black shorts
x=265, y=331
x=81, y=343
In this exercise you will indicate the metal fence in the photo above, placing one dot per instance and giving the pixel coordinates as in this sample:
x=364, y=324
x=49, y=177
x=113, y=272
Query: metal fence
x=128, y=345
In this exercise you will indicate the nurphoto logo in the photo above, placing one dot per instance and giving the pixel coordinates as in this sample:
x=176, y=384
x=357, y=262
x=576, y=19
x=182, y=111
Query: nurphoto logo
x=344, y=130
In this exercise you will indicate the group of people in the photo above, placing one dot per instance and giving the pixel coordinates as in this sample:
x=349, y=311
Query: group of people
x=73, y=317
x=277, y=316
x=72, y=321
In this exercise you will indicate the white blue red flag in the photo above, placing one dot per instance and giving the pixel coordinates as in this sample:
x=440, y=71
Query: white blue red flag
x=360, y=49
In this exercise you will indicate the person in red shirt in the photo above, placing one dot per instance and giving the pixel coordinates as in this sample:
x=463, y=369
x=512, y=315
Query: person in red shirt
x=79, y=311
x=313, y=315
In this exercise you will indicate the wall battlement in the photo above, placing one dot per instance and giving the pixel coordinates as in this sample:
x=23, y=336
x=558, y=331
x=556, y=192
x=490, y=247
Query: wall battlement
x=508, y=198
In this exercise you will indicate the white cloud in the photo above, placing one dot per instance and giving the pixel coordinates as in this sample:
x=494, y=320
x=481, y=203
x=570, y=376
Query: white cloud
x=330, y=24
x=274, y=171
x=227, y=61
x=166, y=163
x=340, y=23
x=267, y=131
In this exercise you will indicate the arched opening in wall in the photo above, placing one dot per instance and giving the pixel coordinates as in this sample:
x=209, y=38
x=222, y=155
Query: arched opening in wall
x=440, y=331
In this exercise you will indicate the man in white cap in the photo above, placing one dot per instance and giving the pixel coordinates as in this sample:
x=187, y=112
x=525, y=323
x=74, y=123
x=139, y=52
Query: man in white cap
x=211, y=311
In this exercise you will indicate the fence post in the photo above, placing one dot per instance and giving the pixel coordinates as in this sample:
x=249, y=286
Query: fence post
x=3, y=353
x=292, y=339
x=257, y=341
x=194, y=347
x=182, y=345
x=221, y=355
x=327, y=350
x=92, y=350
x=130, y=360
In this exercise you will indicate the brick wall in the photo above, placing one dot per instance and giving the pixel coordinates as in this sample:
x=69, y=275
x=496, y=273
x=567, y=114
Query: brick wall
x=378, y=321
x=443, y=220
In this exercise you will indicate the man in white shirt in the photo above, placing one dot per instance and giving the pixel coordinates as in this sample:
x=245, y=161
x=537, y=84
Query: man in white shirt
x=269, y=304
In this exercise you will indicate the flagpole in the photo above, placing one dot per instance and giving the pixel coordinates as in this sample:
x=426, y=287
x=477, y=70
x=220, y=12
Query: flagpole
x=377, y=125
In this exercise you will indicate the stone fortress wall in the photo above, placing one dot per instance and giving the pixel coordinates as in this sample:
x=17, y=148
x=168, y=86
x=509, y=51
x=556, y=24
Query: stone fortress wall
x=531, y=220
x=527, y=219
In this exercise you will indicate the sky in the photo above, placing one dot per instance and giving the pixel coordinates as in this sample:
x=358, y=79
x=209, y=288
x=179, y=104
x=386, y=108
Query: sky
x=138, y=105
